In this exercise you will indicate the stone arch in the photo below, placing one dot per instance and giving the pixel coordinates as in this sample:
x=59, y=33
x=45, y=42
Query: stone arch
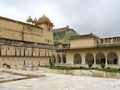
x=100, y=58
x=53, y=59
x=77, y=58
x=112, y=58
x=89, y=58
x=50, y=60
x=58, y=58
x=64, y=58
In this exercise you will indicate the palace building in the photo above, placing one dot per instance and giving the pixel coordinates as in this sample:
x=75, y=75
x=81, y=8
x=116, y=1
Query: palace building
x=23, y=44
x=90, y=48
x=31, y=44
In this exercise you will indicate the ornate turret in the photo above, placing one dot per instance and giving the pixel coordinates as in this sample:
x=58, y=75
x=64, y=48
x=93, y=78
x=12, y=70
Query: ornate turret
x=30, y=20
x=35, y=21
x=44, y=22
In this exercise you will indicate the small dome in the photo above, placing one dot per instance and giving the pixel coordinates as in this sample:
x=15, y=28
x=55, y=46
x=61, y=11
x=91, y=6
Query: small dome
x=44, y=20
x=35, y=21
x=29, y=19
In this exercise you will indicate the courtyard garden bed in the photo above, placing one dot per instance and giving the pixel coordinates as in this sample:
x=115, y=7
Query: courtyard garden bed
x=108, y=69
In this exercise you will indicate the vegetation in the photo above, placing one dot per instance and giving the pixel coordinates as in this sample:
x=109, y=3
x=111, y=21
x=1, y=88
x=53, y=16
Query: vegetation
x=68, y=35
x=112, y=70
x=7, y=66
x=90, y=65
x=64, y=36
x=52, y=64
x=102, y=65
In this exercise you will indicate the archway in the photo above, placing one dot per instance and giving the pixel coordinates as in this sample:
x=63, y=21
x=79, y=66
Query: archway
x=53, y=59
x=58, y=58
x=112, y=58
x=64, y=58
x=77, y=59
x=100, y=58
x=50, y=61
x=89, y=58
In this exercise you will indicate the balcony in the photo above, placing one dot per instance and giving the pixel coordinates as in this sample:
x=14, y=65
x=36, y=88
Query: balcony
x=112, y=41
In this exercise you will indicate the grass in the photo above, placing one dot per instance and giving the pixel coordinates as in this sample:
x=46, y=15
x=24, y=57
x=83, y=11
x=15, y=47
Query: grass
x=111, y=70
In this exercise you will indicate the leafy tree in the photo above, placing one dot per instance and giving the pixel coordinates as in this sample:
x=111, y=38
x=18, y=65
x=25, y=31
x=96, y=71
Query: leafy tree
x=102, y=65
x=90, y=65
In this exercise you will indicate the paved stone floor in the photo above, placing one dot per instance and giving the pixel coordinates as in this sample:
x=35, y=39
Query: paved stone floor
x=63, y=82
x=8, y=76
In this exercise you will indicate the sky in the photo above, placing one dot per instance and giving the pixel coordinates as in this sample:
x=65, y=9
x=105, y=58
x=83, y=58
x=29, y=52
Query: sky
x=100, y=17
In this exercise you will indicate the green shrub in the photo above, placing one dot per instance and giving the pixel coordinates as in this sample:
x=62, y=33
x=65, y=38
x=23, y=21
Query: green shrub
x=90, y=65
x=112, y=70
x=52, y=64
x=102, y=65
x=81, y=67
x=108, y=67
x=92, y=68
x=75, y=68
x=5, y=64
x=96, y=68
x=119, y=69
x=8, y=66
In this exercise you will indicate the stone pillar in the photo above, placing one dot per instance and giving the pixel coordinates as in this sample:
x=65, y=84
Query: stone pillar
x=57, y=60
x=118, y=59
x=106, y=63
x=83, y=59
x=61, y=60
x=94, y=60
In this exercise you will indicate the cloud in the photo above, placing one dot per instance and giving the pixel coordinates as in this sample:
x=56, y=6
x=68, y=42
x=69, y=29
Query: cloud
x=101, y=17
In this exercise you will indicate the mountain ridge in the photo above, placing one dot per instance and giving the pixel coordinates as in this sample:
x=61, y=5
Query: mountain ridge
x=62, y=35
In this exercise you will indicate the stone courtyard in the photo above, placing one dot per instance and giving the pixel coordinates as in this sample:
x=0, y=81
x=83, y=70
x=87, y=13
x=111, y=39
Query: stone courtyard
x=6, y=77
x=61, y=82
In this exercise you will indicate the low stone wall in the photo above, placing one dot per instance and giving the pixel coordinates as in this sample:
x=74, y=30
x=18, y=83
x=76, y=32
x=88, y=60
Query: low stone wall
x=92, y=73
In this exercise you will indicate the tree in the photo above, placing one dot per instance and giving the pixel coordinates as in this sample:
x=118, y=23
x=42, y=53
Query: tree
x=90, y=65
x=102, y=65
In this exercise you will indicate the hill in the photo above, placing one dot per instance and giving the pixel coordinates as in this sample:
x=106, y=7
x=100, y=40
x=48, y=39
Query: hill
x=62, y=35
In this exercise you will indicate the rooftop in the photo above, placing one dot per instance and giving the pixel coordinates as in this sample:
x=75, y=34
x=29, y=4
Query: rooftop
x=15, y=21
x=84, y=36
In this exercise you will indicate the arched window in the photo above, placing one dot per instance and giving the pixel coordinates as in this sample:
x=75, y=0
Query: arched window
x=77, y=59
x=58, y=58
x=53, y=58
x=64, y=58
x=89, y=58
x=112, y=58
x=100, y=58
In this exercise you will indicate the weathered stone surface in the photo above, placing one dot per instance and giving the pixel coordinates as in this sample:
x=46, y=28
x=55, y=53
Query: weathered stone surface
x=63, y=82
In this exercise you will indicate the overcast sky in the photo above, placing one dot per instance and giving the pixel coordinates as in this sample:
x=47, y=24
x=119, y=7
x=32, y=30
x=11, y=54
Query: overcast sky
x=101, y=17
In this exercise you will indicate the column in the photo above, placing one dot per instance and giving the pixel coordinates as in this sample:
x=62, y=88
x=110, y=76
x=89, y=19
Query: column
x=83, y=59
x=61, y=60
x=94, y=59
x=106, y=60
x=118, y=59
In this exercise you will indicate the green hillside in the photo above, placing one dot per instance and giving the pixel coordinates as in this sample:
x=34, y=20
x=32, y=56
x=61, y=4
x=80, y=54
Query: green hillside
x=63, y=34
